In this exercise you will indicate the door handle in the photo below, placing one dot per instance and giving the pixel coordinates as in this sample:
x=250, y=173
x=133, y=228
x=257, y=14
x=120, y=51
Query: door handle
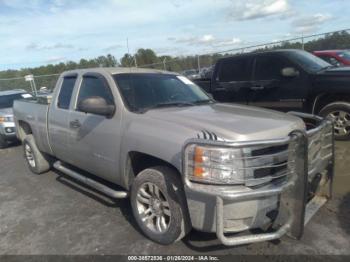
x=74, y=124
x=255, y=88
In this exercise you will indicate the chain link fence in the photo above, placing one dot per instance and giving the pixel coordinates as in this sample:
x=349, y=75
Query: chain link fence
x=41, y=82
x=199, y=65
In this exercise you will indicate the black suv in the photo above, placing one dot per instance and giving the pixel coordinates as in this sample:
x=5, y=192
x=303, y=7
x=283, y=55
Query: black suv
x=285, y=80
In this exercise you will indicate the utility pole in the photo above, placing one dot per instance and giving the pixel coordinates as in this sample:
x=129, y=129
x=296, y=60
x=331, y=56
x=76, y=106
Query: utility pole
x=302, y=42
x=199, y=64
x=164, y=63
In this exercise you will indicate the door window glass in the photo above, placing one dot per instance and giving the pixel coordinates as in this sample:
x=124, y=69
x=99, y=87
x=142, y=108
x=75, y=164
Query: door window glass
x=237, y=69
x=270, y=67
x=93, y=86
x=66, y=92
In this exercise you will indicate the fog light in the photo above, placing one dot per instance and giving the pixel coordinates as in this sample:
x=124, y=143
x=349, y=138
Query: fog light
x=9, y=130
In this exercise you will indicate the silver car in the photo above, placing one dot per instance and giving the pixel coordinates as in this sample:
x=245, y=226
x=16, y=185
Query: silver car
x=7, y=124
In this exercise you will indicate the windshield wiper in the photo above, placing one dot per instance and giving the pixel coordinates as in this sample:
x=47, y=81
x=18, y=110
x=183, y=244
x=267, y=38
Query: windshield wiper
x=327, y=67
x=205, y=101
x=167, y=104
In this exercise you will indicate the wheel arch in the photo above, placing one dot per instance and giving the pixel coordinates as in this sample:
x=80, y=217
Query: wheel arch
x=322, y=100
x=138, y=161
x=23, y=129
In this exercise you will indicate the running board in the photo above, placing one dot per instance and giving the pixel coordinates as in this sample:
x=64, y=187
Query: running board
x=94, y=184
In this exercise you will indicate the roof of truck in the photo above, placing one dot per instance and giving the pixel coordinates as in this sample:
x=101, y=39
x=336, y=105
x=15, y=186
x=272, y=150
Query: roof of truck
x=12, y=92
x=256, y=53
x=118, y=70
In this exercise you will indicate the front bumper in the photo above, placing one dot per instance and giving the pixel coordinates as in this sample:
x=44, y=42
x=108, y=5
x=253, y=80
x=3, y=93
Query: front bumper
x=281, y=205
x=8, y=130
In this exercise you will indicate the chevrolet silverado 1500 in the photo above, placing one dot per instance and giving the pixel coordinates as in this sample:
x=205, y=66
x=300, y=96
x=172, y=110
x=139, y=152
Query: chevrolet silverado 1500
x=185, y=160
x=284, y=80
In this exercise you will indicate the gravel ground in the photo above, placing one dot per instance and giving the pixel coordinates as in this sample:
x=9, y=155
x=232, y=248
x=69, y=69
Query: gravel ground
x=52, y=214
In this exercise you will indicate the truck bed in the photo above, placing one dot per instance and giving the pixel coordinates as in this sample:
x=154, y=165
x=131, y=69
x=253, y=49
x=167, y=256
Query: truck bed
x=35, y=113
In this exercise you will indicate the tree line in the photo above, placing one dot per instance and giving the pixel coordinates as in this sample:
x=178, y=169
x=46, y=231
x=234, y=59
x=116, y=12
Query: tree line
x=143, y=57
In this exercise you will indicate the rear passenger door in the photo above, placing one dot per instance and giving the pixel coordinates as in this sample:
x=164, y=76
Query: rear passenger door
x=272, y=90
x=94, y=140
x=233, y=79
x=59, y=117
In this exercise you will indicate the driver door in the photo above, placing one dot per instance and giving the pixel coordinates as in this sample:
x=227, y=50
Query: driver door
x=272, y=90
x=94, y=140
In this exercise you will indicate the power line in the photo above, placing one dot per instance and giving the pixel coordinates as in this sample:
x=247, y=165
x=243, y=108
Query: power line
x=22, y=77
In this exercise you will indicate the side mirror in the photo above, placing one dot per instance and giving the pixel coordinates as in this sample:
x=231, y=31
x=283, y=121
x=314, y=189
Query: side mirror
x=96, y=105
x=290, y=72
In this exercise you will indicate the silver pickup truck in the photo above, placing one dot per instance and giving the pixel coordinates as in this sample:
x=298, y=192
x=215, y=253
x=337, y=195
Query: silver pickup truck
x=185, y=160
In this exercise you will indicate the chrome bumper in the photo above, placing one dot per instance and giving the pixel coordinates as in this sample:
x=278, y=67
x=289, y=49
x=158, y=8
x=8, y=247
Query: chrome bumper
x=292, y=194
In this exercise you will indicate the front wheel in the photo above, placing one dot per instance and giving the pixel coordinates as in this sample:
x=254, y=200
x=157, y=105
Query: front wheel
x=159, y=205
x=339, y=112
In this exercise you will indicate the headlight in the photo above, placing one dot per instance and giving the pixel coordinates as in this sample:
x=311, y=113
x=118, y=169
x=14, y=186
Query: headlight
x=215, y=165
x=245, y=166
x=4, y=119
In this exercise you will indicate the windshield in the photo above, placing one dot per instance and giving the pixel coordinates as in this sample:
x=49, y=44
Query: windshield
x=308, y=61
x=345, y=55
x=145, y=91
x=7, y=100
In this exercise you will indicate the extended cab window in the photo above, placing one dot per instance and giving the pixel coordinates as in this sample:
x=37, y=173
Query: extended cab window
x=93, y=86
x=237, y=69
x=270, y=67
x=66, y=92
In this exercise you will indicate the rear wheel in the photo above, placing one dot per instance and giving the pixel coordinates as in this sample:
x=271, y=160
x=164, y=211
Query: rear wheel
x=3, y=142
x=36, y=161
x=159, y=205
x=339, y=112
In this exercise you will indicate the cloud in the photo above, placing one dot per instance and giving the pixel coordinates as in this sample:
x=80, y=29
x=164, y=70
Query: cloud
x=308, y=24
x=113, y=47
x=36, y=47
x=55, y=59
x=206, y=40
x=255, y=9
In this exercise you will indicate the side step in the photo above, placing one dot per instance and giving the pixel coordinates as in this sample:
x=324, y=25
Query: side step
x=98, y=186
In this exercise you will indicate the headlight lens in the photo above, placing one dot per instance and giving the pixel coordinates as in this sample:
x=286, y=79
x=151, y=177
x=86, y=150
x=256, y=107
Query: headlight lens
x=215, y=165
x=4, y=119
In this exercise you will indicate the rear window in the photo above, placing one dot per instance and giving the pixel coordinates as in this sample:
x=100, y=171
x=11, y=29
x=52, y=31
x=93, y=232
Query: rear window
x=237, y=69
x=66, y=92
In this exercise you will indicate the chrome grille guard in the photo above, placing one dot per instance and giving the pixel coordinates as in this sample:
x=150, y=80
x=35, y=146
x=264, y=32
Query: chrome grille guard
x=293, y=192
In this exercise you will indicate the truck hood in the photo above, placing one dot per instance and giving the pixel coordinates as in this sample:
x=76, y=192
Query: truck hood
x=336, y=71
x=6, y=112
x=229, y=121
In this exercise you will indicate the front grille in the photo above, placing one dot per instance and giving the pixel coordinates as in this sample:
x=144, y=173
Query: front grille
x=270, y=163
x=320, y=148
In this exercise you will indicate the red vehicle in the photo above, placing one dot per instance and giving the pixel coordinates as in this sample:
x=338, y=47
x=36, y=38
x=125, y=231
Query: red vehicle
x=335, y=57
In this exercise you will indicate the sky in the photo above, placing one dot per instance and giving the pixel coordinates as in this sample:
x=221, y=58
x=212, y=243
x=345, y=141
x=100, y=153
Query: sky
x=37, y=32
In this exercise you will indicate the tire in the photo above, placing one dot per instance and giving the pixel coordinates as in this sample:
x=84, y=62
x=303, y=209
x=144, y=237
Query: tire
x=36, y=161
x=340, y=113
x=3, y=142
x=173, y=211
